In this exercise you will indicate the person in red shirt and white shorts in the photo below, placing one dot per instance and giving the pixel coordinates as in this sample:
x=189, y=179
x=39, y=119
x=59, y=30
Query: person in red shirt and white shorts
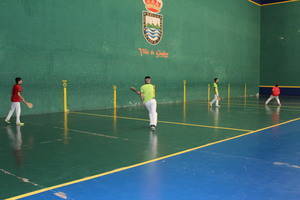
x=275, y=95
x=16, y=99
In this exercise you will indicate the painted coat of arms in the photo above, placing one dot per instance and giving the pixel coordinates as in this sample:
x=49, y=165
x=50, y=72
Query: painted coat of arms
x=153, y=21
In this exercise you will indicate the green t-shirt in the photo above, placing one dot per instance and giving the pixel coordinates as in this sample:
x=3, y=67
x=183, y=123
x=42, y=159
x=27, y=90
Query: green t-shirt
x=216, y=87
x=148, y=91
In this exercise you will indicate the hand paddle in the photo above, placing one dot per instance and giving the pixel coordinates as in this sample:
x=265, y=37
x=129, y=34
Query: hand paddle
x=133, y=89
x=28, y=104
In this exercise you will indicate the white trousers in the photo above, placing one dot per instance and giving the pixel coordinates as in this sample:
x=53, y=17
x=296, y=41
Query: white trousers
x=215, y=100
x=151, y=107
x=273, y=97
x=15, y=106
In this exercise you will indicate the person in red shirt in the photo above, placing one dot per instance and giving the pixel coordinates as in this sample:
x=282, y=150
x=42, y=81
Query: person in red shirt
x=275, y=95
x=16, y=99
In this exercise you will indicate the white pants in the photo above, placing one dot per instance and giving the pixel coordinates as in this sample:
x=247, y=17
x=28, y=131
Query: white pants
x=151, y=107
x=15, y=106
x=215, y=100
x=273, y=97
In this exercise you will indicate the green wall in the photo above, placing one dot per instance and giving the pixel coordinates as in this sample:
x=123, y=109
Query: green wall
x=94, y=44
x=280, y=46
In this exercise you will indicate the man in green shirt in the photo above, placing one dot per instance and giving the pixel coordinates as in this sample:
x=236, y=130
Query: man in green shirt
x=216, y=90
x=147, y=94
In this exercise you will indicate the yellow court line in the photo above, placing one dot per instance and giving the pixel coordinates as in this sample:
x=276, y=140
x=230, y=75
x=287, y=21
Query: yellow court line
x=164, y=122
x=255, y=3
x=205, y=126
x=260, y=106
x=288, y=108
x=250, y=106
x=261, y=101
x=268, y=4
x=144, y=163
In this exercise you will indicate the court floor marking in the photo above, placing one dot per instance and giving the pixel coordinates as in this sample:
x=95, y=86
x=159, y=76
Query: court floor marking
x=259, y=106
x=22, y=179
x=254, y=3
x=164, y=122
x=92, y=133
x=288, y=108
x=146, y=162
x=262, y=102
x=262, y=106
x=288, y=1
x=258, y=102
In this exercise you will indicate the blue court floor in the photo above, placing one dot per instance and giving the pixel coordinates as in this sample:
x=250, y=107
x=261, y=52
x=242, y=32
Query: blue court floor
x=264, y=165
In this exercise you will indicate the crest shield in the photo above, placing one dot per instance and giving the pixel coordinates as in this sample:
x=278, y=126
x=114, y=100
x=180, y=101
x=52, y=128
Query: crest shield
x=152, y=27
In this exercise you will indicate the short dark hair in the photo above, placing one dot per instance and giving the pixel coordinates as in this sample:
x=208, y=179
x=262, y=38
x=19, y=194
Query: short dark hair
x=215, y=79
x=146, y=77
x=276, y=85
x=18, y=79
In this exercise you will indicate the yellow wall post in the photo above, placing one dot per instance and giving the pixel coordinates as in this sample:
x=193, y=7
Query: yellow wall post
x=184, y=91
x=65, y=85
x=184, y=112
x=115, y=108
x=115, y=99
x=66, y=128
x=184, y=100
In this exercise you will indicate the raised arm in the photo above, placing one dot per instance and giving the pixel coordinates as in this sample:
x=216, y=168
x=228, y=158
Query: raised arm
x=138, y=93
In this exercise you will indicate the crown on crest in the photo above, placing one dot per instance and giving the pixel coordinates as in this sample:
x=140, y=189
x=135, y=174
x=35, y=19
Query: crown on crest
x=153, y=5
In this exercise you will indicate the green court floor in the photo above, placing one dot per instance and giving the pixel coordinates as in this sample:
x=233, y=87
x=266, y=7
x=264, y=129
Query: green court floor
x=56, y=148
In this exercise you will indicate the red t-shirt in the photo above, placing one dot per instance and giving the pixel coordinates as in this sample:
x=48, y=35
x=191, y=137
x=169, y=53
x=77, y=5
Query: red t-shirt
x=15, y=97
x=275, y=91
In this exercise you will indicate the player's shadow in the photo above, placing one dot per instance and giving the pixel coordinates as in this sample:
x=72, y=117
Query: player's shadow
x=15, y=138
